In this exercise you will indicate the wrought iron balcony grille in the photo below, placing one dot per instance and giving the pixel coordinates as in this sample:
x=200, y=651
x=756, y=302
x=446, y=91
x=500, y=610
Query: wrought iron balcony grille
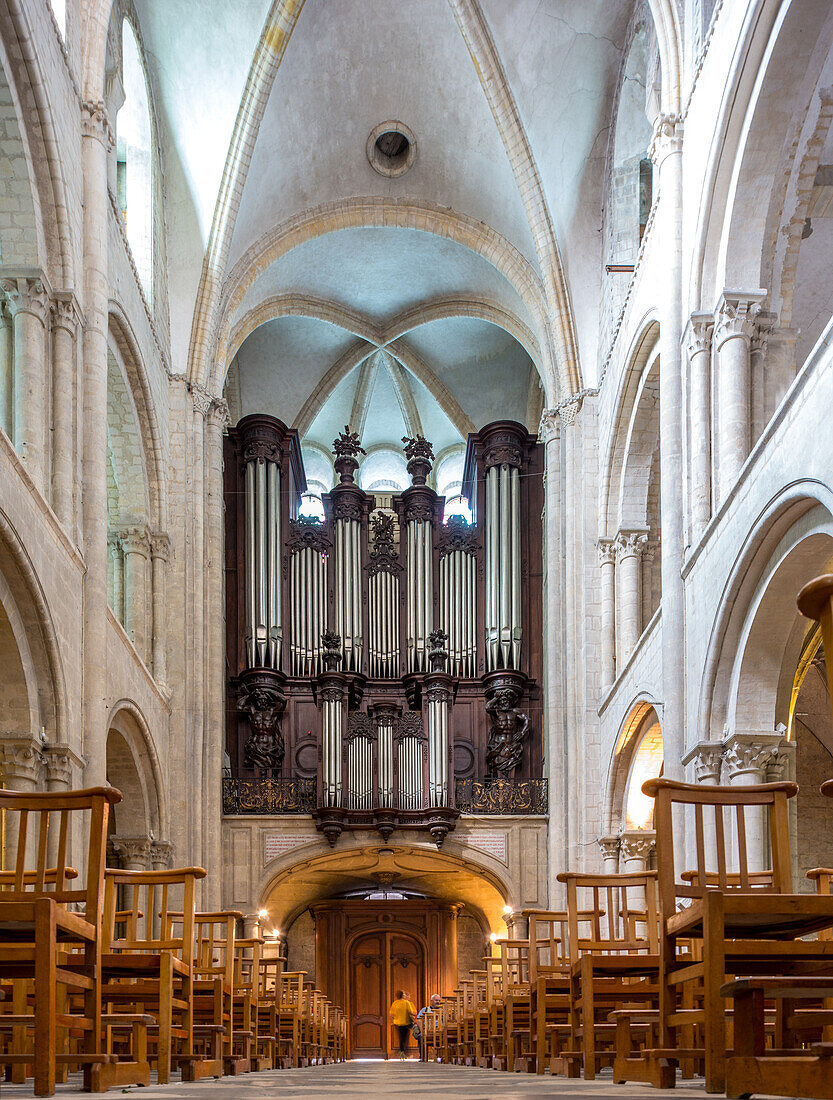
x=502, y=796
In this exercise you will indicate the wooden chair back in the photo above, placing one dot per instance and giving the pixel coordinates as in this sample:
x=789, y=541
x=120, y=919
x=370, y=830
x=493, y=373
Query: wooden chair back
x=215, y=935
x=611, y=914
x=549, y=952
x=145, y=922
x=726, y=812
x=43, y=823
x=248, y=956
x=514, y=965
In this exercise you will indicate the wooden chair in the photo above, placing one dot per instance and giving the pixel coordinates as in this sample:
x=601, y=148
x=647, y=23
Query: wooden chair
x=516, y=995
x=745, y=928
x=213, y=989
x=254, y=1011
x=37, y=928
x=614, y=961
x=148, y=964
x=549, y=980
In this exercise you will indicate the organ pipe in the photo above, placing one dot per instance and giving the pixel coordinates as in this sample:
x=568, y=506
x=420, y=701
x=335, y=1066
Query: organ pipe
x=458, y=609
x=264, y=631
x=503, y=567
x=420, y=592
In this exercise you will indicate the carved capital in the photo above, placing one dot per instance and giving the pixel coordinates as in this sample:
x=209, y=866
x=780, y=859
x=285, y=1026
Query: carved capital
x=160, y=546
x=25, y=294
x=160, y=854
x=706, y=759
x=218, y=413
x=66, y=312
x=736, y=315
x=761, y=332
x=751, y=754
x=637, y=845
x=135, y=540
x=132, y=851
x=95, y=123
x=609, y=846
x=21, y=759
x=630, y=544
x=667, y=137
x=698, y=334
x=550, y=426
x=607, y=551
x=201, y=401
x=59, y=761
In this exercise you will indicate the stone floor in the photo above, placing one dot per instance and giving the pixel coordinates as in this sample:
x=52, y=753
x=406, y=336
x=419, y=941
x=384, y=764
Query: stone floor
x=388, y=1079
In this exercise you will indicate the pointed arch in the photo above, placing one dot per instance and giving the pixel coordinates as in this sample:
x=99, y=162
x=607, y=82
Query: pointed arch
x=426, y=217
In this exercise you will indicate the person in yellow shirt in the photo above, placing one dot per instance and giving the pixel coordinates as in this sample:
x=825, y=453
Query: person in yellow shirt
x=403, y=1014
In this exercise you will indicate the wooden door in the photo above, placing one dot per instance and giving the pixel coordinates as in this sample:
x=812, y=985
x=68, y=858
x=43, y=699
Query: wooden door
x=379, y=964
x=406, y=971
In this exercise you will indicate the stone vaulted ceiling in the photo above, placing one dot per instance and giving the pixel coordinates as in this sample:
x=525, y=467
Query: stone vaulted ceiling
x=435, y=300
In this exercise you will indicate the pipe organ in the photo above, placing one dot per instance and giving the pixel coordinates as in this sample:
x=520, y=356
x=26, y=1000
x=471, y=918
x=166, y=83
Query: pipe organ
x=389, y=654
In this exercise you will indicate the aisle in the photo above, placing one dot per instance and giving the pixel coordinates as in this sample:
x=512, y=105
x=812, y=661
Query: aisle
x=361, y=1080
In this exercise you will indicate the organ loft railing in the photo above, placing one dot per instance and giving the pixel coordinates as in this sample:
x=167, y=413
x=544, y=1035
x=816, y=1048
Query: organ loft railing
x=384, y=664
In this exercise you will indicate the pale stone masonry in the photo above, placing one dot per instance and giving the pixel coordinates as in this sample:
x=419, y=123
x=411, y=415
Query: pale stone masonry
x=686, y=425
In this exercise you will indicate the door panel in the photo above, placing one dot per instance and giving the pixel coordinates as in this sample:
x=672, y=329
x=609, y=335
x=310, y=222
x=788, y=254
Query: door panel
x=367, y=983
x=407, y=973
x=380, y=964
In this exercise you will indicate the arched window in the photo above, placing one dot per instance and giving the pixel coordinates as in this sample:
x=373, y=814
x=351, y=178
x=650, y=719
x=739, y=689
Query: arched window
x=59, y=10
x=384, y=471
x=458, y=507
x=312, y=507
x=134, y=157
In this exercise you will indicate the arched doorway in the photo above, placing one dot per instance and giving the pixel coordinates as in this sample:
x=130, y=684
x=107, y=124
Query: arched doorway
x=379, y=964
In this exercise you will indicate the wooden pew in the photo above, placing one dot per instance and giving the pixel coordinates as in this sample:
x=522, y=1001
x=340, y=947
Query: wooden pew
x=744, y=930
x=37, y=929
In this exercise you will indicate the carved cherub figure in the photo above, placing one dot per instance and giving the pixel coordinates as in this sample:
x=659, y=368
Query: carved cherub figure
x=506, y=739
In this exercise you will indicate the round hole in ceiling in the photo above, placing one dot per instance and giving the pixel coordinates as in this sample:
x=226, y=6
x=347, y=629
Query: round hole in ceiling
x=391, y=148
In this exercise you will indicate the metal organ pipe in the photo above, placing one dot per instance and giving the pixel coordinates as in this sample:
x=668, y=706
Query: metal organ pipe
x=420, y=592
x=263, y=543
x=503, y=567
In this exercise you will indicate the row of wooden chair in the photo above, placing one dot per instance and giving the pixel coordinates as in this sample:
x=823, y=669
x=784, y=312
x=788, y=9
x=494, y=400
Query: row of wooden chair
x=721, y=970
x=120, y=972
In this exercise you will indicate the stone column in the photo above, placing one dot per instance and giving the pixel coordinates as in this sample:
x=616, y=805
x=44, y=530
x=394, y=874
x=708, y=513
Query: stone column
x=136, y=550
x=59, y=761
x=97, y=140
x=636, y=847
x=706, y=761
x=555, y=740
x=133, y=852
x=214, y=737
x=26, y=300
x=733, y=331
x=666, y=153
x=21, y=759
x=629, y=546
x=6, y=371
x=698, y=345
x=607, y=568
x=65, y=319
x=115, y=576
x=517, y=927
x=610, y=853
x=160, y=546
x=160, y=855
x=748, y=757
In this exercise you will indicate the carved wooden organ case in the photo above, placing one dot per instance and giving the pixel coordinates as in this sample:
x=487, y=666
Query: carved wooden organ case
x=382, y=664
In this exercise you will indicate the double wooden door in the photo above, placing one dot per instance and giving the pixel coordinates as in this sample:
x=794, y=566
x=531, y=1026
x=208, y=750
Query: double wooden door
x=379, y=964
